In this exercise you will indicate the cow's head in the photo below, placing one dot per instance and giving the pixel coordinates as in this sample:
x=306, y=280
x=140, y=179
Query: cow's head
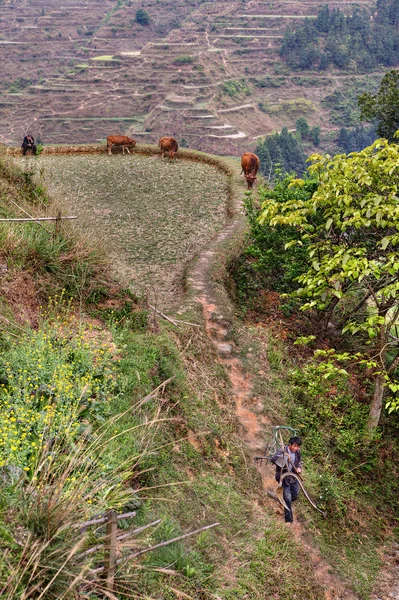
x=250, y=181
x=132, y=143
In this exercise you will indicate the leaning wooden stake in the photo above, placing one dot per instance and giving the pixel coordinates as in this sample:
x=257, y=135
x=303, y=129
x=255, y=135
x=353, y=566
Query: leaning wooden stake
x=110, y=550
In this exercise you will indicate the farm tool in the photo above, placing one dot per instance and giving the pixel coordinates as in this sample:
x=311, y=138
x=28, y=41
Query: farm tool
x=275, y=444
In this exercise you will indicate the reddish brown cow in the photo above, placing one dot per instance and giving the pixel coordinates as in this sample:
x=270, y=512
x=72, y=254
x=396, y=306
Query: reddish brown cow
x=250, y=165
x=120, y=140
x=168, y=144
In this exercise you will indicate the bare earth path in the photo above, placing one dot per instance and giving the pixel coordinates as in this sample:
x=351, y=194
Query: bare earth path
x=206, y=288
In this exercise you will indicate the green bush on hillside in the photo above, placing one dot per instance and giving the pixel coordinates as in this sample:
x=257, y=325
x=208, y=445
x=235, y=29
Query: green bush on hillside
x=142, y=17
x=235, y=88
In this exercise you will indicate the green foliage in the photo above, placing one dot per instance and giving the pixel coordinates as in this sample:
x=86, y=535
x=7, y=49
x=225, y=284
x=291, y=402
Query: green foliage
x=19, y=84
x=314, y=134
x=280, y=152
x=266, y=263
x=355, y=139
x=185, y=59
x=302, y=126
x=330, y=417
x=345, y=41
x=342, y=103
x=305, y=132
x=235, y=88
x=268, y=82
x=270, y=566
x=142, y=17
x=383, y=107
x=350, y=228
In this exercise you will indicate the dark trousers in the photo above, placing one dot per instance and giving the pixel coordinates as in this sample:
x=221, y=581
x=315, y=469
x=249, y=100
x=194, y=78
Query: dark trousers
x=290, y=494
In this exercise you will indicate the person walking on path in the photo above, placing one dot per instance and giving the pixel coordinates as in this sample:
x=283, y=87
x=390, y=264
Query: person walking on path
x=288, y=459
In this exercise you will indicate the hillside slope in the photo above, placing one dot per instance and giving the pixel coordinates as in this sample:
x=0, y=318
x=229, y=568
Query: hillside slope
x=198, y=70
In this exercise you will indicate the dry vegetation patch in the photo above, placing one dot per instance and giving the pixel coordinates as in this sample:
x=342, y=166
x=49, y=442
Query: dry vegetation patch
x=152, y=215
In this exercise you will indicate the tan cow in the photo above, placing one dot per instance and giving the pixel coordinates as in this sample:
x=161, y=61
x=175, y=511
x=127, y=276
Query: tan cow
x=120, y=140
x=168, y=144
x=250, y=165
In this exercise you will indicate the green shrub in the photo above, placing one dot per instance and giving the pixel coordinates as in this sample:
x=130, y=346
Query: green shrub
x=235, y=88
x=142, y=17
x=184, y=60
x=266, y=264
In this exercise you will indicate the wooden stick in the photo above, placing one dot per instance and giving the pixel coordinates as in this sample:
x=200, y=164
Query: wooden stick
x=101, y=520
x=163, y=315
x=40, y=219
x=9, y=333
x=160, y=545
x=110, y=550
x=138, y=530
x=173, y=321
x=30, y=216
x=118, y=538
x=187, y=323
x=92, y=522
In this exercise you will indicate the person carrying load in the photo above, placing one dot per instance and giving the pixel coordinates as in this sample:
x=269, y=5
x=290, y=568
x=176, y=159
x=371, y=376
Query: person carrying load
x=288, y=460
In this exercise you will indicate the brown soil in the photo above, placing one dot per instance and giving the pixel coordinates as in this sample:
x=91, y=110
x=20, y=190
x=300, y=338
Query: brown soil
x=21, y=294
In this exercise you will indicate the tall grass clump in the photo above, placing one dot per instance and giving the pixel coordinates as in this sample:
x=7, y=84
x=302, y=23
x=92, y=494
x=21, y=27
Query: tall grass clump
x=58, y=465
x=59, y=260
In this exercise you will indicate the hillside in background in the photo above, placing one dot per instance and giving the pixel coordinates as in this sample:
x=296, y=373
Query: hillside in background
x=210, y=73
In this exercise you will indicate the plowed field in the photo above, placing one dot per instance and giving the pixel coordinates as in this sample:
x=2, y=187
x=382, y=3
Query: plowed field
x=152, y=216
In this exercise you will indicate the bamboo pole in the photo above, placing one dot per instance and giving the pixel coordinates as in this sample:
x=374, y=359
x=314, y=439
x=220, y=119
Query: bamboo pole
x=101, y=520
x=119, y=538
x=161, y=544
x=58, y=218
x=122, y=561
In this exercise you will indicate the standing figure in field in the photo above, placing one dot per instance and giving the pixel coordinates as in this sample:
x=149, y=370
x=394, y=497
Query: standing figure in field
x=28, y=145
x=250, y=165
x=120, y=140
x=168, y=144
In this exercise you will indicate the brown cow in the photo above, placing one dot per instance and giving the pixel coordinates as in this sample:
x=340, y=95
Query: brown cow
x=168, y=144
x=250, y=165
x=120, y=140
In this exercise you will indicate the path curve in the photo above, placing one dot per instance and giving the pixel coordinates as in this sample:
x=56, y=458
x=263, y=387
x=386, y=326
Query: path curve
x=205, y=284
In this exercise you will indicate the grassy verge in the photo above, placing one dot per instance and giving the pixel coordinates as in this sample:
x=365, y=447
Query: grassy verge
x=83, y=440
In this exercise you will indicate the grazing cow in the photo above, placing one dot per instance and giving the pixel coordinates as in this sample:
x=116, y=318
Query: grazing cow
x=28, y=144
x=120, y=140
x=168, y=144
x=250, y=165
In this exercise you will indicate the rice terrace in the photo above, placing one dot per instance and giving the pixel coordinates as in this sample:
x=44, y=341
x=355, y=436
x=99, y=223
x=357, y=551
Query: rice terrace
x=151, y=215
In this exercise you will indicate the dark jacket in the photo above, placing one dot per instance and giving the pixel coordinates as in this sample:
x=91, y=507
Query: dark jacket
x=280, y=455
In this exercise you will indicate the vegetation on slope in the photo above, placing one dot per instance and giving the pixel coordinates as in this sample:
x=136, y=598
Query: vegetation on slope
x=314, y=248
x=81, y=440
x=355, y=41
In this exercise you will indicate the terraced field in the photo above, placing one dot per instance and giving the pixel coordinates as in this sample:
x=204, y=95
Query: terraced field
x=75, y=73
x=150, y=215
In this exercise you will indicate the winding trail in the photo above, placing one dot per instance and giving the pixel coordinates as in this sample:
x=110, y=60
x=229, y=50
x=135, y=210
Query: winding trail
x=205, y=286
